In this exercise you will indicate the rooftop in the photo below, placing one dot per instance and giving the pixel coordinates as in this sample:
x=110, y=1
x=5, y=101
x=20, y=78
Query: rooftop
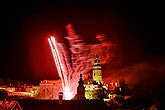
x=66, y=104
x=51, y=82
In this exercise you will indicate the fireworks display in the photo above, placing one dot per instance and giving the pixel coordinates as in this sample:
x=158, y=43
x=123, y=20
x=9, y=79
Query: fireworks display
x=70, y=62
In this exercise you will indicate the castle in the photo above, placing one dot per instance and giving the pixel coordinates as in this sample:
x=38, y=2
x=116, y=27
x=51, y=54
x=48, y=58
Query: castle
x=92, y=89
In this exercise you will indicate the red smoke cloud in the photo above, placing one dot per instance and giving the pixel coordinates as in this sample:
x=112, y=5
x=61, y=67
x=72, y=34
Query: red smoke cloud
x=148, y=71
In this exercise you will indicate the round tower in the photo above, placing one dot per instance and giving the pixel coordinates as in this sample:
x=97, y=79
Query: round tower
x=97, y=73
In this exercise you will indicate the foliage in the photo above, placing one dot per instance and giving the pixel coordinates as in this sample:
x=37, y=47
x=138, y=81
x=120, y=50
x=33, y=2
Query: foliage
x=123, y=87
x=3, y=94
x=119, y=99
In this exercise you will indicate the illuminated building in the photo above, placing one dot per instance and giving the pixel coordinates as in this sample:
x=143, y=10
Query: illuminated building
x=113, y=85
x=94, y=88
x=97, y=73
x=92, y=91
x=28, y=92
x=49, y=89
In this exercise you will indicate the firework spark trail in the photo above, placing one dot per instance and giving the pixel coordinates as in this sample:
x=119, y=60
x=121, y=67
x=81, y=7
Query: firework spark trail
x=51, y=40
x=54, y=55
x=61, y=66
x=57, y=62
x=66, y=73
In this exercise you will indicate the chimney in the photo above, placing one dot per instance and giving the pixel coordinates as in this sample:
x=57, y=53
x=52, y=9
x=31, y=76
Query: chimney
x=60, y=97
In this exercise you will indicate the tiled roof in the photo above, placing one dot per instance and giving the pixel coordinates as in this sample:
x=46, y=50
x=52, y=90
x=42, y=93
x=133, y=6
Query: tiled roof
x=51, y=82
x=9, y=105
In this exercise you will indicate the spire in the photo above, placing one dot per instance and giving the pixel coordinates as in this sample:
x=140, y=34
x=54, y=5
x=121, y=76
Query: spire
x=97, y=60
x=97, y=56
x=80, y=89
x=81, y=81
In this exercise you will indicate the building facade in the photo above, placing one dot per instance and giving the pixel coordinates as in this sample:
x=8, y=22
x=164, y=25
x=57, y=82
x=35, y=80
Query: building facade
x=49, y=89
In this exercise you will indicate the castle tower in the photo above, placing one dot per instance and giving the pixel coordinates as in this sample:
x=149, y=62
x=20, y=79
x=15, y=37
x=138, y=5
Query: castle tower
x=97, y=73
x=81, y=89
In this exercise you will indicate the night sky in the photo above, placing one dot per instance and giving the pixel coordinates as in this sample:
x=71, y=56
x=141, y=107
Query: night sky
x=25, y=27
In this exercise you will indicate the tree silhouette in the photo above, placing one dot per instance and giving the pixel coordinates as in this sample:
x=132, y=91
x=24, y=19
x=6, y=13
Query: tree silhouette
x=1, y=82
x=3, y=94
x=123, y=87
x=8, y=82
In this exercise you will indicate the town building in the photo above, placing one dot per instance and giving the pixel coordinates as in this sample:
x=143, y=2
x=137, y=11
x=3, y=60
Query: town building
x=10, y=105
x=49, y=89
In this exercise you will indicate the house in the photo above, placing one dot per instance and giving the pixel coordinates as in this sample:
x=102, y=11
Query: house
x=10, y=105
